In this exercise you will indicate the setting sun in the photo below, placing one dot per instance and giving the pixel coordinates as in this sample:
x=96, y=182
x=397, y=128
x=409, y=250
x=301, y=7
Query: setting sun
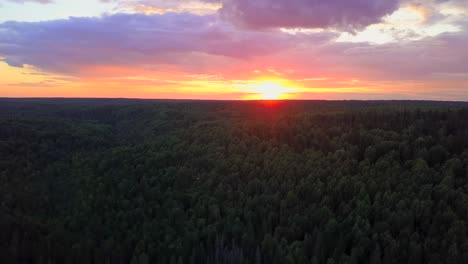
x=269, y=90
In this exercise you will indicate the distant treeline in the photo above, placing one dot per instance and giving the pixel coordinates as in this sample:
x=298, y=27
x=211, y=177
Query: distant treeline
x=294, y=182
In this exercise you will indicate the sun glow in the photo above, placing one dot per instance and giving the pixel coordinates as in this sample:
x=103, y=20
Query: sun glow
x=269, y=90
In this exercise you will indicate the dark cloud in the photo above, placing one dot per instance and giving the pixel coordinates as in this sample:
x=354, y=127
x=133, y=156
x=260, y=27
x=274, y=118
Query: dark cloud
x=339, y=14
x=347, y=15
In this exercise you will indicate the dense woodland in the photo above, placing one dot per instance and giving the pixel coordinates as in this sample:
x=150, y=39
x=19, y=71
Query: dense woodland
x=121, y=181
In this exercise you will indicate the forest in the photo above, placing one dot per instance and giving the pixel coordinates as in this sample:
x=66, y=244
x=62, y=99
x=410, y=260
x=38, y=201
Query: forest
x=233, y=182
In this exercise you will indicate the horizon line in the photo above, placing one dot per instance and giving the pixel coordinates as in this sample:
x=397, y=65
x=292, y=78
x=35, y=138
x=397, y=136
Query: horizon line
x=234, y=100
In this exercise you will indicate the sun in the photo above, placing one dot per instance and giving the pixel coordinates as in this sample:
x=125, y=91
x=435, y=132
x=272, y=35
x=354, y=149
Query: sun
x=270, y=90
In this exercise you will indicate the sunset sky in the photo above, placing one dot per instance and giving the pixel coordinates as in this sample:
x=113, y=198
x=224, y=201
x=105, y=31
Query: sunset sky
x=235, y=49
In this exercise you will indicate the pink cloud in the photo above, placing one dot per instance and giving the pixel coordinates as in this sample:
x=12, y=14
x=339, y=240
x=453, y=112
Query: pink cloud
x=135, y=39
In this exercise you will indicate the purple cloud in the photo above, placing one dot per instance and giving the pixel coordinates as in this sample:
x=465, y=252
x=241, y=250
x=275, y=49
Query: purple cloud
x=130, y=39
x=340, y=14
x=439, y=57
x=260, y=14
x=424, y=59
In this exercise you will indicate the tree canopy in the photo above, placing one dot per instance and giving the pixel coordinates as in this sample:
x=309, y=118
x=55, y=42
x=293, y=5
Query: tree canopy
x=117, y=181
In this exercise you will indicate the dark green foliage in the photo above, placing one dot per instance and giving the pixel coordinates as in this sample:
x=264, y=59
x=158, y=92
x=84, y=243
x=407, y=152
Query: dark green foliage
x=233, y=182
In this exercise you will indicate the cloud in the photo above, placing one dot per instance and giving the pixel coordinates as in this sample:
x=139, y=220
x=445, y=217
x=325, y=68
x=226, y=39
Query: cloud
x=163, y=6
x=134, y=39
x=172, y=44
x=433, y=58
x=342, y=15
x=266, y=14
x=339, y=14
x=407, y=24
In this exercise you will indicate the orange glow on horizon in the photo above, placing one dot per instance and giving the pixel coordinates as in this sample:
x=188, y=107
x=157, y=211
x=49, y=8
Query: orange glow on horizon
x=131, y=82
x=269, y=90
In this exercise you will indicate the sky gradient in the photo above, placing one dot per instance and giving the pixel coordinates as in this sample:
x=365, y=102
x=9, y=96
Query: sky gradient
x=235, y=49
